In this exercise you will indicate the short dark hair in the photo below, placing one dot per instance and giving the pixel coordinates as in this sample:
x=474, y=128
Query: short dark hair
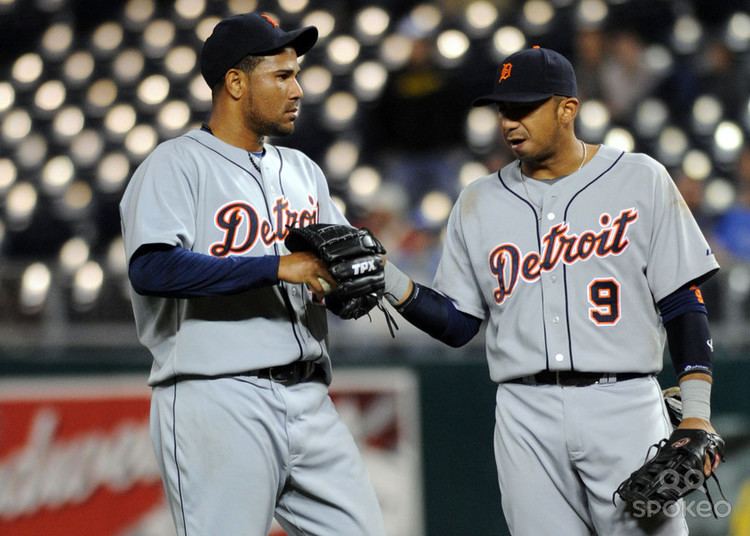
x=246, y=65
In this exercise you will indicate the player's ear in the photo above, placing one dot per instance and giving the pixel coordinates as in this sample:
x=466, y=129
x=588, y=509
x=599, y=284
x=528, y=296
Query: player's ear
x=235, y=82
x=567, y=109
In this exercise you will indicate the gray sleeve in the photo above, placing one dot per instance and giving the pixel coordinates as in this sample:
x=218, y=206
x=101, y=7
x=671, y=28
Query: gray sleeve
x=678, y=253
x=159, y=204
x=455, y=275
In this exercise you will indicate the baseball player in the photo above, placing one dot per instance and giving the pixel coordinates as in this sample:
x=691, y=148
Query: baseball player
x=241, y=420
x=578, y=257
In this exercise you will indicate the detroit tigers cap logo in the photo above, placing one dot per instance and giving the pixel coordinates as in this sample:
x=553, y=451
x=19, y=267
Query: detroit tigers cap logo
x=269, y=19
x=505, y=71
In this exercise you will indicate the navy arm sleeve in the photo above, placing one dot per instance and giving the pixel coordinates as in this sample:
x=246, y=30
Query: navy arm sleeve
x=436, y=315
x=686, y=320
x=175, y=272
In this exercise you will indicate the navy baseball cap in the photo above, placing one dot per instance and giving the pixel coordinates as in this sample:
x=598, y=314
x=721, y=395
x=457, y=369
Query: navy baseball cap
x=530, y=75
x=255, y=34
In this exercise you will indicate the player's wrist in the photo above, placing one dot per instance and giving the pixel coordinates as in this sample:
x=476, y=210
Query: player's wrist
x=696, y=399
x=398, y=285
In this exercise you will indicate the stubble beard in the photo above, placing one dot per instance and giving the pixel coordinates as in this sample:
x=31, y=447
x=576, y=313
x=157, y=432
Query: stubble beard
x=263, y=127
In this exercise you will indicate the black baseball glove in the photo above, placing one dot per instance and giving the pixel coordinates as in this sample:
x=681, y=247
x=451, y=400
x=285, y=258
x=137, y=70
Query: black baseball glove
x=674, y=471
x=353, y=257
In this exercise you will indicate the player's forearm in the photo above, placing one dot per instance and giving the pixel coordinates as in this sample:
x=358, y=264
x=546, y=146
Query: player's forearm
x=174, y=272
x=428, y=310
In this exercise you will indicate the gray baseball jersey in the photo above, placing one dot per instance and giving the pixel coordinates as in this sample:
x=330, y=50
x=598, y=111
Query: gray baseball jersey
x=206, y=196
x=569, y=281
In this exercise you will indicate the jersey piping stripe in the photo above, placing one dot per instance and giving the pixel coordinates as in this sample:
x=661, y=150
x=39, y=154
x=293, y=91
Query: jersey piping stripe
x=177, y=465
x=539, y=247
x=565, y=268
x=282, y=289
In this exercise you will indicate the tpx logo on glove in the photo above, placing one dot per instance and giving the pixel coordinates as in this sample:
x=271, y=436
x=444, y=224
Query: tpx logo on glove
x=360, y=268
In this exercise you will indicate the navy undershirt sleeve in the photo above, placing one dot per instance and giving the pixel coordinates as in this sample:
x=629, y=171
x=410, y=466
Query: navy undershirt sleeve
x=437, y=316
x=175, y=272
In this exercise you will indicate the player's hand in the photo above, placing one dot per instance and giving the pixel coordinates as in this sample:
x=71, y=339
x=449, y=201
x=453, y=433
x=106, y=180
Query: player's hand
x=305, y=267
x=695, y=423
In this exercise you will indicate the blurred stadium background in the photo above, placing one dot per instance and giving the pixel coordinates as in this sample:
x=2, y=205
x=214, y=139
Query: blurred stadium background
x=88, y=88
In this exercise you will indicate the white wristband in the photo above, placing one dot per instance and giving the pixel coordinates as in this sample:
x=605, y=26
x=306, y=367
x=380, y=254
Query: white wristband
x=696, y=399
x=396, y=284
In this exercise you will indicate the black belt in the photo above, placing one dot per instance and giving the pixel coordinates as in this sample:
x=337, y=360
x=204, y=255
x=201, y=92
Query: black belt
x=291, y=374
x=572, y=378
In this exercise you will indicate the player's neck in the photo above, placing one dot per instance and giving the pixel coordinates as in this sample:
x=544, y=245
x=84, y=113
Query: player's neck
x=562, y=162
x=235, y=134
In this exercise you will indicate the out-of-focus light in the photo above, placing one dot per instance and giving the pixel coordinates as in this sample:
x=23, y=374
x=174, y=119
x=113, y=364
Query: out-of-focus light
x=200, y=93
x=112, y=172
x=137, y=13
x=8, y=174
x=452, y=45
x=537, y=15
x=50, y=6
x=738, y=32
x=471, y=171
x=180, y=62
x=242, y=6
x=671, y=146
x=696, y=165
x=343, y=51
x=119, y=120
x=746, y=115
x=707, y=112
x=371, y=23
x=687, y=33
x=50, y=96
x=482, y=128
x=293, y=6
x=107, y=38
x=86, y=147
x=592, y=13
x=364, y=182
x=315, y=81
x=127, y=67
x=323, y=20
x=153, y=90
x=56, y=41
x=739, y=280
x=67, y=123
x=340, y=159
x=7, y=96
x=87, y=285
x=27, y=68
x=425, y=18
x=658, y=59
x=78, y=68
x=173, y=117
x=369, y=80
x=204, y=28
x=506, y=41
x=73, y=254
x=57, y=174
x=141, y=140
x=16, y=125
x=339, y=110
x=117, y=263
x=620, y=138
x=435, y=207
x=480, y=16
x=77, y=198
x=650, y=117
x=594, y=120
x=728, y=141
x=100, y=96
x=719, y=195
x=35, y=284
x=158, y=37
x=20, y=204
x=31, y=151
x=189, y=10
x=395, y=50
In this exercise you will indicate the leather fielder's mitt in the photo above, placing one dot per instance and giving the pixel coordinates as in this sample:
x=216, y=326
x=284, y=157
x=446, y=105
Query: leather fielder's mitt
x=674, y=471
x=353, y=257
